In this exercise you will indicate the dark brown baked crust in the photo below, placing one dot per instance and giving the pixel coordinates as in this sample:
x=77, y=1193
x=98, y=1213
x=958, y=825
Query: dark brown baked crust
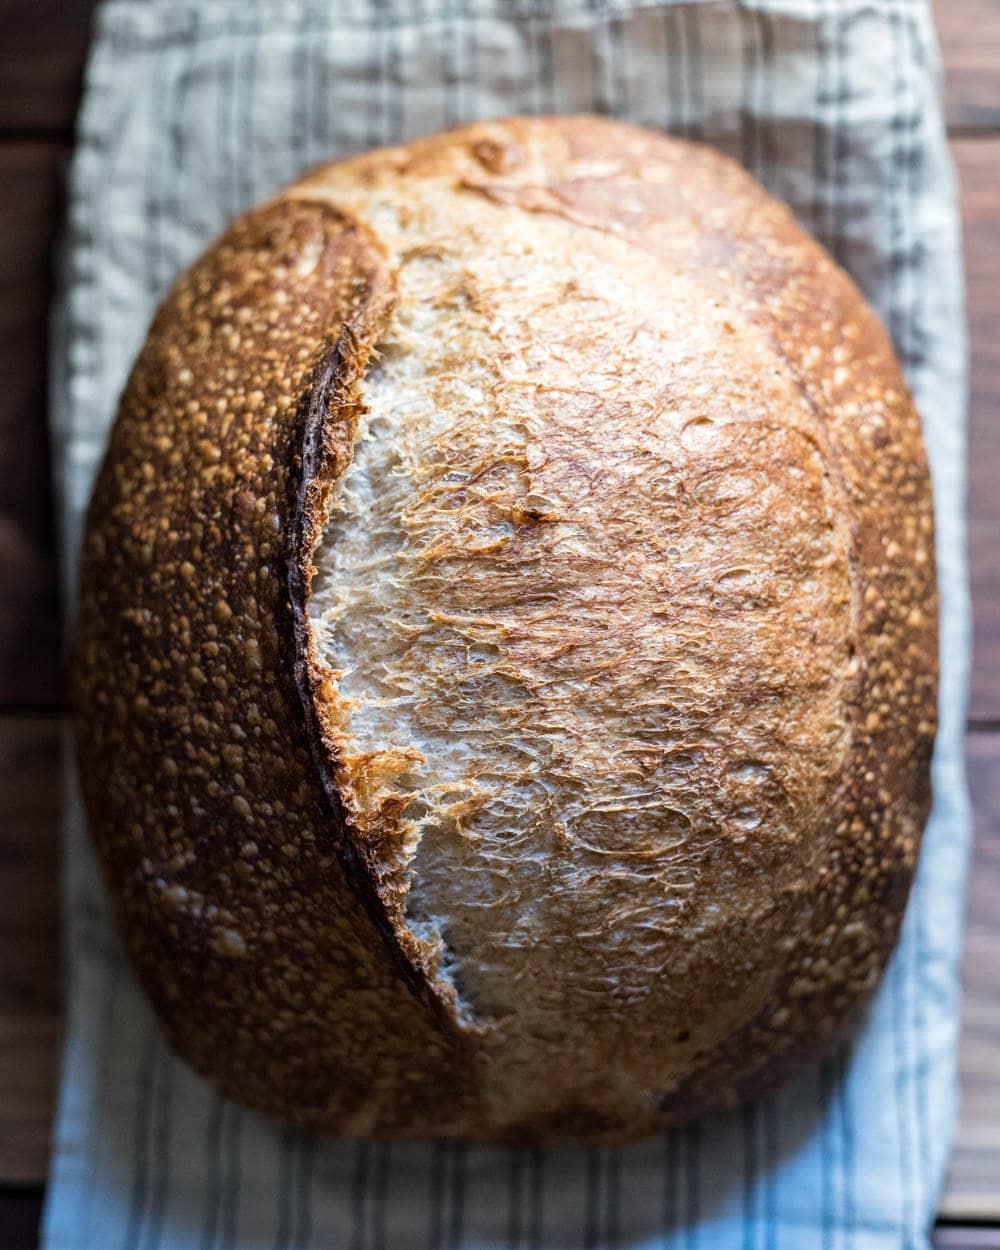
x=268, y=933
x=248, y=914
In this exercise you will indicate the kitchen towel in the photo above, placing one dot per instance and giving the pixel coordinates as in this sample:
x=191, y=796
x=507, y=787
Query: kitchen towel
x=194, y=110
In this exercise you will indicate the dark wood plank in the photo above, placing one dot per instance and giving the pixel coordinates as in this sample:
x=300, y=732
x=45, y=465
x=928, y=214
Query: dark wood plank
x=973, y=1188
x=30, y=204
x=969, y=31
x=978, y=161
x=30, y=1007
x=43, y=46
x=20, y=1216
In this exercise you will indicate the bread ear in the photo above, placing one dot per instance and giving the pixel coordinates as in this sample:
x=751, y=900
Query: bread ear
x=240, y=894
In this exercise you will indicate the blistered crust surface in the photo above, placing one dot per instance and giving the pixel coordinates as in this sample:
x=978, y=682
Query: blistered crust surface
x=688, y=534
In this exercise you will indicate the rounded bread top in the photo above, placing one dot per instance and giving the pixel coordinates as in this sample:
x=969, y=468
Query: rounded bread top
x=596, y=803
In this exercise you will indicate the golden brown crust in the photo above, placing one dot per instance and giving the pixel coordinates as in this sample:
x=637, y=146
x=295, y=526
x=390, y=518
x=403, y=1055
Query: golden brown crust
x=267, y=925
x=711, y=220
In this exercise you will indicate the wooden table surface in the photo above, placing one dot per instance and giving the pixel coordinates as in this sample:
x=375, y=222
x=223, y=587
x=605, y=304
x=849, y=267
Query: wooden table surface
x=42, y=48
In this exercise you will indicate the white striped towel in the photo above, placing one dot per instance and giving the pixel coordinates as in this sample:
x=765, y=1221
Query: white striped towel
x=193, y=111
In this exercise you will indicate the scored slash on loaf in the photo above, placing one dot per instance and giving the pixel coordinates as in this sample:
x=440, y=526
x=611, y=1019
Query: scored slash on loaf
x=505, y=672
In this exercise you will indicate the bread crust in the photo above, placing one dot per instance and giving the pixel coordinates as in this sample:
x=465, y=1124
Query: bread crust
x=249, y=915
x=267, y=925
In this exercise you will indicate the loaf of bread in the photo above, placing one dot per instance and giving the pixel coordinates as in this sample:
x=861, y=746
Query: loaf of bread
x=505, y=671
